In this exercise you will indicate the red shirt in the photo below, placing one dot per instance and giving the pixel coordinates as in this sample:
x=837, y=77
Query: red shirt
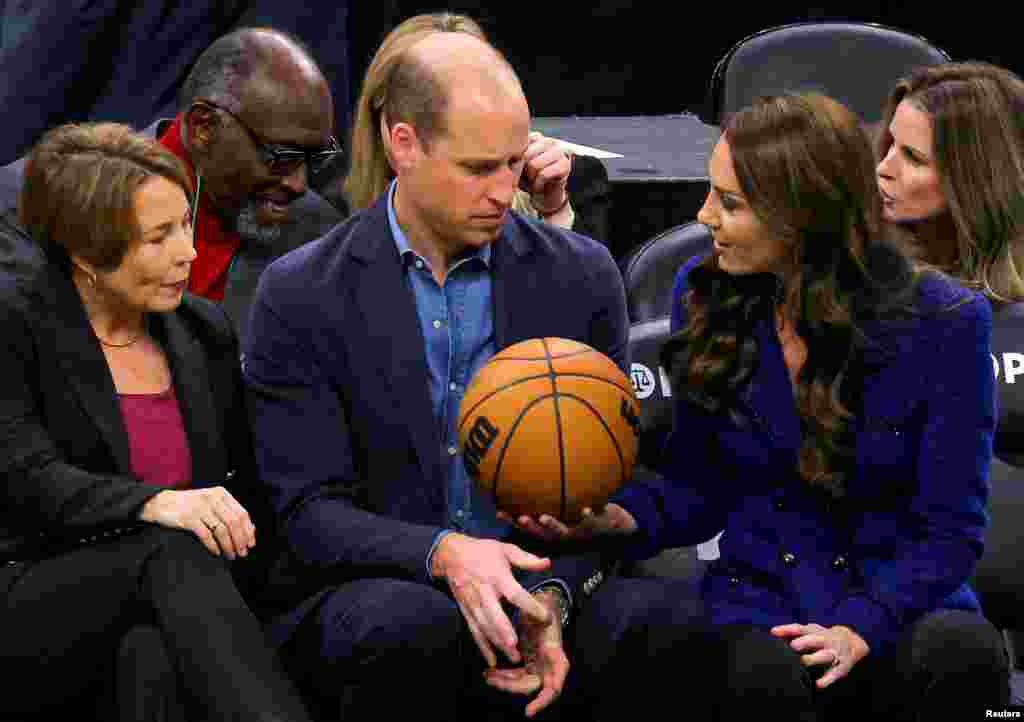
x=158, y=447
x=215, y=245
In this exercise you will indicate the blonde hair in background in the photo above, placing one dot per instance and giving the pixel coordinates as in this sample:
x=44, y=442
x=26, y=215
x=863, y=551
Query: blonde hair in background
x=370, y=169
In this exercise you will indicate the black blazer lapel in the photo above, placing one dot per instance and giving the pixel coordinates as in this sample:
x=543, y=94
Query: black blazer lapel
x=78, y=353
x=393, y=335
x=191, y=379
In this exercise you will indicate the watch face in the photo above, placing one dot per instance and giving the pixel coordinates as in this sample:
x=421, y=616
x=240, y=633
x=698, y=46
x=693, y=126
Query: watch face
x=560, y=599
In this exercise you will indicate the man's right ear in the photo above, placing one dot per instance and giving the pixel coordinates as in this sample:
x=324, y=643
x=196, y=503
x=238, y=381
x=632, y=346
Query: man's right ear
x=403, y=145
x=201, y=123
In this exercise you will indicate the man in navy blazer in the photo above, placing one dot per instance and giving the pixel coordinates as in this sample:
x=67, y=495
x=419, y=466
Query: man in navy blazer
x=360, y=348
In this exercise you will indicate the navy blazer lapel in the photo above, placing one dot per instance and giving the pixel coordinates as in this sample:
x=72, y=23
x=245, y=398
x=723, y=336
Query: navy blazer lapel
x=191, y=378
x=393, y=336
x=514, y=319
x=78, y=352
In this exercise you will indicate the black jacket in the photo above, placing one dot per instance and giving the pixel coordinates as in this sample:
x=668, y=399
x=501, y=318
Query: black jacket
x=65, y=477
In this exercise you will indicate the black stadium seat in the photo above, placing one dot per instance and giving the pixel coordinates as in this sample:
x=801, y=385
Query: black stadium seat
x=649, y=271
x=1000, y=574
x=854, y=62
x=1008, y=360
x=651, y=386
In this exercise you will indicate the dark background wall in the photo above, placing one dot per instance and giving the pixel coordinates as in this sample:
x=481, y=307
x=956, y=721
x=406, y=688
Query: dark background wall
x=621, y=57
x=122, y=60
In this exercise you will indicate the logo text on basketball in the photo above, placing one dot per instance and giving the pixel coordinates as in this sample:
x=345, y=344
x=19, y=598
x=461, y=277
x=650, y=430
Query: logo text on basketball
x=479, y=440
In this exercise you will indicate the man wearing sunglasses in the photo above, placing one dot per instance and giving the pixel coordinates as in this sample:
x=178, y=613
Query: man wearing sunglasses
x=255, y=122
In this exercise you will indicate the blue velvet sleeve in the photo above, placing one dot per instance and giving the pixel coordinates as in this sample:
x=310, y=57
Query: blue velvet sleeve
x=685, y=503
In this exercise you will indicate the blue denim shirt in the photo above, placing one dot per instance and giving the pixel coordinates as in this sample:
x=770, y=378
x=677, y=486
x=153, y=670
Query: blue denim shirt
x=457, y=320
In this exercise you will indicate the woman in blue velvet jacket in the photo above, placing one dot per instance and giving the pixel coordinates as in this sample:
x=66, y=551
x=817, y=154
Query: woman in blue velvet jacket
x=834, y=416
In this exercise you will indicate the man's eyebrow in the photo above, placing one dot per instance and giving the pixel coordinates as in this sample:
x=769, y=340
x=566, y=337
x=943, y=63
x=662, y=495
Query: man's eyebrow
x=481, y=161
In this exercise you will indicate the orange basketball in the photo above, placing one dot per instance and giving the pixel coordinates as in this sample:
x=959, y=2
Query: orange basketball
x=549, y=426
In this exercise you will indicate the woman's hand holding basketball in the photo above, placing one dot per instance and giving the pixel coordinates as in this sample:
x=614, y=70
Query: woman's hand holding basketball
x=612, y=519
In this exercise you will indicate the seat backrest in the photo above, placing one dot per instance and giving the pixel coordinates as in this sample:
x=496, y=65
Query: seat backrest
x=655, y=397
x=853, y=62
x=10, y=184
x=649, y=272
x=1008, y=360
x=999, y=578
x=999, y=575
x=652, y=387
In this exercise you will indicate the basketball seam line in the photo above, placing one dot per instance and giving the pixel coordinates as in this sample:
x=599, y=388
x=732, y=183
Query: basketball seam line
x=519, y=418
x=611, y=435
x=558, y=424
x=594, y=377
x=531, y=358
x=508, y=440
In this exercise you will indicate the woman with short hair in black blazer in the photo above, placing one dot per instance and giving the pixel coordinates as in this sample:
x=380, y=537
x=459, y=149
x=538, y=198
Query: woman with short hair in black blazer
x=121, y=423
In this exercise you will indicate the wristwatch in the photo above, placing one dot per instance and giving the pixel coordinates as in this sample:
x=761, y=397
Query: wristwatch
x=561, y=599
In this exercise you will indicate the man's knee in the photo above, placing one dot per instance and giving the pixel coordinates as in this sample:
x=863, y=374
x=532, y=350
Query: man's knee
x=377, y=616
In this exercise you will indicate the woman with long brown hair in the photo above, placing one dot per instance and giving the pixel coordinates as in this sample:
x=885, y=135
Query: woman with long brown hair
x=951, y=173
x=834, y=415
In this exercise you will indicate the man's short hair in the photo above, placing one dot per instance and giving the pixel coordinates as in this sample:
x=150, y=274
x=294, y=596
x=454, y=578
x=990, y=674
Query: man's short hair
x=417, y=95
x=222, y=70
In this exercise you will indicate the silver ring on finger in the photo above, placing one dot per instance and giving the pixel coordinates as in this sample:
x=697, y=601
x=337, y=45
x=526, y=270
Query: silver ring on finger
x=835, y=659
x=212, y=526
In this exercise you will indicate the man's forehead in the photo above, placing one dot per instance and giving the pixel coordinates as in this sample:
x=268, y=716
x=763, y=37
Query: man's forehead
x=486, y=133
x=272, y=93
x=270, y=105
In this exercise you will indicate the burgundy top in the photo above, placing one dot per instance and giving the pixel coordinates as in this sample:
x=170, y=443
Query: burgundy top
x=156, y=438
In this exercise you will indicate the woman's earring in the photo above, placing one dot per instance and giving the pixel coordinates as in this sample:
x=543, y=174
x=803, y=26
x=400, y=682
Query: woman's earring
x=89, y=275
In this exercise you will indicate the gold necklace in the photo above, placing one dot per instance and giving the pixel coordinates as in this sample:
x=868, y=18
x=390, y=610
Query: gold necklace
x=108, y=344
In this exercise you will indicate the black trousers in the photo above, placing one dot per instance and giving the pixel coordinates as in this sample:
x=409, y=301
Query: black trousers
x=392, y=649
x=150, y=622
x=950, y=664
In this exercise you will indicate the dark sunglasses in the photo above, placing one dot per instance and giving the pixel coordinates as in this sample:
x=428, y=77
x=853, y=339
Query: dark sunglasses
x=283, y=160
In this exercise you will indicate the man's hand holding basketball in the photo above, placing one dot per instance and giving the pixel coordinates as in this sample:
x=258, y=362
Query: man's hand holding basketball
x=612, y=519
x=479, y=573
